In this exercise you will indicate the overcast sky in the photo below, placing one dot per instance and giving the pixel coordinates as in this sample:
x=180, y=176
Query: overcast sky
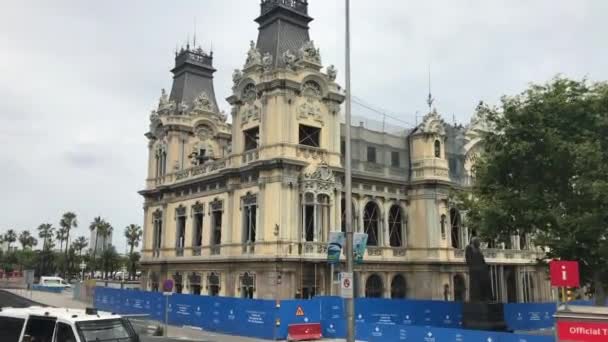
x=78, y=79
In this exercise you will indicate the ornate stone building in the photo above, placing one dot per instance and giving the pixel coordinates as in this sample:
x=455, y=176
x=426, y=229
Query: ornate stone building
x=245, y=208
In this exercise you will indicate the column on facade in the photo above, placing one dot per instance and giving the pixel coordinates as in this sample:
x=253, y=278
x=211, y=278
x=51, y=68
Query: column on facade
x=165, y=231
x=386, y=231
x=229, y=215
x=336, y=217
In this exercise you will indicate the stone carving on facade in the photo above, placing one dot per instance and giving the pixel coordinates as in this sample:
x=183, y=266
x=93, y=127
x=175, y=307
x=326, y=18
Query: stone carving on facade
x=204, y=132
x=311, y=89
x=479, y=124
x=267, y=61
x=237, y=76
x=320, y=180
x=156, y=126
x=310, y=109
x=202, y=103
x=432, y=123
x=289, y=59
x=249, y=93
x=165, y=106
x=309, y=53
x=254, y=57
x=250, y=113
x=332, y=72
x=182, y=108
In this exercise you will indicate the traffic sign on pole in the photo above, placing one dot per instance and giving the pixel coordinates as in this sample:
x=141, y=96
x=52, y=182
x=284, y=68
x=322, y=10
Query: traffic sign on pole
x=564, y=273
x=346, y=284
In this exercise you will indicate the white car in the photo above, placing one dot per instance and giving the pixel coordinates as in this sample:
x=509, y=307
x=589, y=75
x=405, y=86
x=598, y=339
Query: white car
x=43, y=324
x=54, y=282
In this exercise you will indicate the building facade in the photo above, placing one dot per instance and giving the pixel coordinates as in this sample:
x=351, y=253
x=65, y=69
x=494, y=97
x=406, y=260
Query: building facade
x=245, y=208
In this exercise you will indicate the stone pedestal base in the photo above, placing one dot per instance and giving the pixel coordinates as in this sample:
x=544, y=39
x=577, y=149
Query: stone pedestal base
x=483, y=316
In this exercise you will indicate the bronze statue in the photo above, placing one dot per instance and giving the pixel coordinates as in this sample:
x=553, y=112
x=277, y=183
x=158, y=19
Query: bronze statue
x=480, y=289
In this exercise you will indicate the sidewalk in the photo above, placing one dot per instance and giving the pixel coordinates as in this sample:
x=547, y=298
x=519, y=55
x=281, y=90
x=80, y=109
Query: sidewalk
x=65, y=300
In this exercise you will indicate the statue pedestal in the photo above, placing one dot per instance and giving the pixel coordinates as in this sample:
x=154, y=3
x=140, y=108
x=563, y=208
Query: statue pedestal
x=483, y=316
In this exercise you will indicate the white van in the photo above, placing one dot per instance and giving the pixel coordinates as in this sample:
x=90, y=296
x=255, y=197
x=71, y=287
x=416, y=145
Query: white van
x=35, y=324
x=54, y=282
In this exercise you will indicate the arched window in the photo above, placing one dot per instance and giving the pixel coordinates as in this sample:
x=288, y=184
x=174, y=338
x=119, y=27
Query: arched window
x=343, y=217
x=398, y=287
x=459, y=288
x=455, y=227
x=371, y=223
x=395, y=226
x=374, y=287
x=315, y=216
x=437, y=149
x=442, y=222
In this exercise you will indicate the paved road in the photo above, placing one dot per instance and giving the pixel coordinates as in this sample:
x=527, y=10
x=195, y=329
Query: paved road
x=8, y=299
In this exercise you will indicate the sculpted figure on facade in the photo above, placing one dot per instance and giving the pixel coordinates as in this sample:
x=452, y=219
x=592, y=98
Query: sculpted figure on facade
x=253, y=55
x=237, y=76
x=267, y=61
x=309, y=53
x=203, y=103
x=289, y=59
x=165, y=106
x=251, y=112
x=332, y=72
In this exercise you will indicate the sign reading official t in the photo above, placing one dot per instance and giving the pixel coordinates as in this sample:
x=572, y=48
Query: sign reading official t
x=564, y=273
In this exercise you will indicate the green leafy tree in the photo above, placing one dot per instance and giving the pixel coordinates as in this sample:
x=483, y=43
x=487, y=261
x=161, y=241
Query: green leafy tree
x=10, y=237
x=133, y=234
x=544, y=172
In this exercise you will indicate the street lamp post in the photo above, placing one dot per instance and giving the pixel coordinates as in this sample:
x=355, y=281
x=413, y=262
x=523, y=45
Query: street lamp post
x=350, y=304
x=83, y=266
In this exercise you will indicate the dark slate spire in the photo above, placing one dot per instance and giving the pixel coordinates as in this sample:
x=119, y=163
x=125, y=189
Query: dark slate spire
x=283, y=26
x=193, y=74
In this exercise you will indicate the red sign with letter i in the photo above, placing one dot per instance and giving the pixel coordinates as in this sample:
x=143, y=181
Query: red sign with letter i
x=564, y=273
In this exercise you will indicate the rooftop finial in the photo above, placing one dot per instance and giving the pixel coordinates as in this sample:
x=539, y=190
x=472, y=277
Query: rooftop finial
x=430, y=99
x=194, y=38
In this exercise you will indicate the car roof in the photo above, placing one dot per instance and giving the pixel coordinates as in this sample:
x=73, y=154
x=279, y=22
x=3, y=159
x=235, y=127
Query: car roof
x=61, y=314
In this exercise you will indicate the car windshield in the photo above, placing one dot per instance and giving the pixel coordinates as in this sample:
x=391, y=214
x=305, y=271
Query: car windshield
x=104, y=330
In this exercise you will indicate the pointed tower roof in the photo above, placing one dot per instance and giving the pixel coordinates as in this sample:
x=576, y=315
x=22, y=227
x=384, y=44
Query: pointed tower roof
x=193, y=75
x=283, y=26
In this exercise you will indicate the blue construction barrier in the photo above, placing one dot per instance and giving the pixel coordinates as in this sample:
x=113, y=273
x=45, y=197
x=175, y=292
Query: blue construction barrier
x=383, y=332
x=269, y=319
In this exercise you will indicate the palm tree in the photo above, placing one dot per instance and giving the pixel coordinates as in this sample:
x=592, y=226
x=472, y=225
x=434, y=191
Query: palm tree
x=10, y=237
x=27, y=240
x=60, y=235
x=94, y=227
x=133, y=234
x=79, y=244
x=68, y=221
x=45, y=232
x=105, y=230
